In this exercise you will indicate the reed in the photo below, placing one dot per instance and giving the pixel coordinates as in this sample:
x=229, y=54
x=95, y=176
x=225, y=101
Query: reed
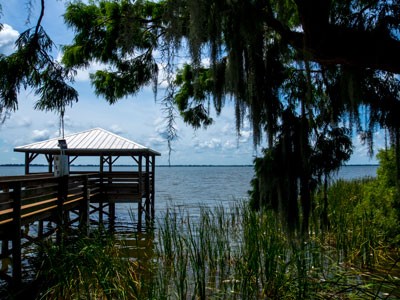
x=86, y=268
x=237, y=253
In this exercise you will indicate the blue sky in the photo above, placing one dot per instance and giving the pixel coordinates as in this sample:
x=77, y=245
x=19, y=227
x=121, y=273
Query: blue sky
x=139, y=118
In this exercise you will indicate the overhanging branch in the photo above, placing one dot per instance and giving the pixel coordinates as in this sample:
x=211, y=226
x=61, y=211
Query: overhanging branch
x=339, y=45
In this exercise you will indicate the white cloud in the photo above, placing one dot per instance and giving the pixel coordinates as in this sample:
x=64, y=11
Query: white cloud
x=40, y=135
x=8, y=36
x=228, y=128
x=245, y=136
x=206, y=62
x=214, y=143
x=156, y=141
x=115, y=128
x=161, y=128
x=230, y=144
x=84, y=74
x=18, y=122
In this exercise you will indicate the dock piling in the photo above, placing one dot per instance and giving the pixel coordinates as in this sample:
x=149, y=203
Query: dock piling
x=17, y=234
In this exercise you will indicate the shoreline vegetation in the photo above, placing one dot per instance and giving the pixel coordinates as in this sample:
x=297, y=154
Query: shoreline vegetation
x=227, y=253
x=237, y=253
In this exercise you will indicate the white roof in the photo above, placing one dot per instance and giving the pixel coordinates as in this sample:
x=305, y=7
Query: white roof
x=95, y=141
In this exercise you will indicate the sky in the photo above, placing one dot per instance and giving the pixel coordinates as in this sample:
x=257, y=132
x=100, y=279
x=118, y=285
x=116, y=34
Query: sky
x=139, y=118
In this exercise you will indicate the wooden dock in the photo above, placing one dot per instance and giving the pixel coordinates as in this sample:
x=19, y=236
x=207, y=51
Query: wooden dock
x=33, y=200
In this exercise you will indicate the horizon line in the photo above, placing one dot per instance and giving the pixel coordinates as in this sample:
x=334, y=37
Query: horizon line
x=164, y=165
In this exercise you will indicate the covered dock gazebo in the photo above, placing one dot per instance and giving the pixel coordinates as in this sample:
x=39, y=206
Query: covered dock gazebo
x=135, y=185
x=94, y=142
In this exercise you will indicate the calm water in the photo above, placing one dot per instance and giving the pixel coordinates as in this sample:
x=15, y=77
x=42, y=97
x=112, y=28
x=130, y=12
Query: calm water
x=191, y=187
x=188, y=188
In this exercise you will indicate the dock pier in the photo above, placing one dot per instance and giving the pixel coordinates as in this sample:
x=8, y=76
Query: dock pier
x=62, y=199
x=62, y=202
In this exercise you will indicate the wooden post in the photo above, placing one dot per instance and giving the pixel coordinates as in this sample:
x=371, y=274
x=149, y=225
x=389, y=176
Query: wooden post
x=147, y=188
x=17, y=235
x=27, y=162
x=153, y=191
x=40, y=229
x=111, y=206
x=100, y=204
x=101, y=164
x=49, y=158
x=104, y=195
x=62, y=193
x=84, y=207
x=140, y=206
x=111, y=216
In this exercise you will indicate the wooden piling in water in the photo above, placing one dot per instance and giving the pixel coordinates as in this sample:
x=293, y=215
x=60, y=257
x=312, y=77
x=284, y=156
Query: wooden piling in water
x=16, y=235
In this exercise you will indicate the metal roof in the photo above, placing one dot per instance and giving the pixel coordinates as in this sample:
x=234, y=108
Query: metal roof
x=94, y=142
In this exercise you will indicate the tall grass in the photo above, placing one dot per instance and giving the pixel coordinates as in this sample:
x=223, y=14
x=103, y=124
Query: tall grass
x=242, y=254
x=219, y=256
x=237, y=253
x=86, y=268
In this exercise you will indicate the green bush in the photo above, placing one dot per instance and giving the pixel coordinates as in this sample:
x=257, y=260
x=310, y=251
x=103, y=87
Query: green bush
x=362, y=213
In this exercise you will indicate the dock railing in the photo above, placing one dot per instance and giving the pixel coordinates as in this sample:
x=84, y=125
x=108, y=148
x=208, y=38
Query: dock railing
x=38, y=197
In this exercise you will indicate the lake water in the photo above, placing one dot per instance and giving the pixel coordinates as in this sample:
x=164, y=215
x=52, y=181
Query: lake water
x=192, y=187
x=186, y=188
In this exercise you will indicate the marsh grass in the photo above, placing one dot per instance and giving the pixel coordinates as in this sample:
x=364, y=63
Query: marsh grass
x=237, y=253
x=86, y=268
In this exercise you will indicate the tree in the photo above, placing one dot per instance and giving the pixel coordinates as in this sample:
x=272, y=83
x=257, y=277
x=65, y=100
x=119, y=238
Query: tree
x=306, y=72
x=32, y=65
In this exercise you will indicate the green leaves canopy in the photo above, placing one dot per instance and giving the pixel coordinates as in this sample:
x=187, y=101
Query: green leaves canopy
x=306, y=73
x=121, y=35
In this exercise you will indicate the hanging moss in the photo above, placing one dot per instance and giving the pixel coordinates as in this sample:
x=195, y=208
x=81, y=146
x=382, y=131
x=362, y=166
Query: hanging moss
x=306, y=75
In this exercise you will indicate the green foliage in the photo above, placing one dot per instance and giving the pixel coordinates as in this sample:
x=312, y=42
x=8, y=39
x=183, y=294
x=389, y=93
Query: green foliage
x=281, y=175
x=235, y=253
x=332, y=148
x=119, y=34
x=196, y=85
x=363, y=223
x=386, y=172
x=362, y=212
x=31, y=65
x=238, y=253
x=87, y=268
x=296, y=74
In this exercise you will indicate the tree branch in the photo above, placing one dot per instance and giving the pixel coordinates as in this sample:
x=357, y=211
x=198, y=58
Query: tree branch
x=329, y=44
x=358, y=48
x=38, y=24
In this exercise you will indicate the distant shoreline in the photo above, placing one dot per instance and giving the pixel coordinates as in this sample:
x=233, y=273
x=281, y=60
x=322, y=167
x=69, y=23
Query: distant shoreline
x=166, y=166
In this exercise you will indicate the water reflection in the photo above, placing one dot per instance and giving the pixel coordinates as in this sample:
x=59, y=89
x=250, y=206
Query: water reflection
x=138, y=246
